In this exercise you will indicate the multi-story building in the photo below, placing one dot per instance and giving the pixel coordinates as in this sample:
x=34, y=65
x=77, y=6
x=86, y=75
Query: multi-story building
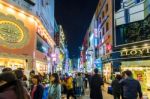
x=26, y=34
x=88, y=47
x=104, y=16
x=132, y=37
x=63, y=55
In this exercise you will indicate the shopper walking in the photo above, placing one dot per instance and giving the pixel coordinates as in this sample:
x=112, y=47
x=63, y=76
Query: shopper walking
x=79, y=85
x=116, y=87
x=122, y=78
x=20, y=75
x=37, y=90
x=95, y=86
x=86, y=81
x=7, y=69
x=69, y=86
x=55, y=87
x=131, y=87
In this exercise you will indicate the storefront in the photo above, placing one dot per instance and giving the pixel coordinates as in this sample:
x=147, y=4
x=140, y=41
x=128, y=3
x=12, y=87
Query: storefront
x=107, y=72
x=15, y=61
x=137, y=60
x=141, y=72
x=41, y=67
x=18, y=38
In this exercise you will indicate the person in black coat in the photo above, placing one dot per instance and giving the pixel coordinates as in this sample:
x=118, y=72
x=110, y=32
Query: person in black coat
x=116, y=87
x=95, y=86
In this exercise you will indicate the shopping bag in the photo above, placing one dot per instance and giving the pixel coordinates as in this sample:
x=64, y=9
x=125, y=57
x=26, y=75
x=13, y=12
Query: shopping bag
x=110, y=89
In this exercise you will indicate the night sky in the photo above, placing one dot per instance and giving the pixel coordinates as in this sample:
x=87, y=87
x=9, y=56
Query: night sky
x=75, y=17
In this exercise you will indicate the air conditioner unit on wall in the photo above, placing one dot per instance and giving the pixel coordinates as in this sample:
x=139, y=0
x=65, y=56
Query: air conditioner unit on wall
x=30, y=2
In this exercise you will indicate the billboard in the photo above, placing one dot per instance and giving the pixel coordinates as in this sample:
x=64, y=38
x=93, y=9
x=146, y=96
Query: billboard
x=131, y=21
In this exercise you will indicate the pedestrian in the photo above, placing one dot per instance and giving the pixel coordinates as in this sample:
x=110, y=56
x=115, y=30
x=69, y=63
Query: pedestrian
x=7, y=69
x=89, y=79
x=69, y=86
x=32, y=74
x=11, y=87
x=131, y=87
x=86, y=81
x=79, y=85
x=20, y=75
x=95, y=86
x=122, y=78
x=37, y=90
x=55, y=87
x=116, y=87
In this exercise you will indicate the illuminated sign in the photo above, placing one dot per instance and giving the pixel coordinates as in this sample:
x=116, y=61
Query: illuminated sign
x=135, y=52
x=13, y=34
x=10, y=32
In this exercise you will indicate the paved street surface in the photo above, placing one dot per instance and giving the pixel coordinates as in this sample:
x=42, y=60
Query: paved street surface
x=105, y=95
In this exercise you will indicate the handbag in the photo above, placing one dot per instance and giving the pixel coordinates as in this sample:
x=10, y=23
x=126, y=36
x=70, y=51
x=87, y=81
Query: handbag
x=110, y=90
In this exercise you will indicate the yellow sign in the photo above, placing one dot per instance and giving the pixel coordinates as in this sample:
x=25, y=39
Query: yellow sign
x=134, y=52
x=10, y=32
x=13, y=33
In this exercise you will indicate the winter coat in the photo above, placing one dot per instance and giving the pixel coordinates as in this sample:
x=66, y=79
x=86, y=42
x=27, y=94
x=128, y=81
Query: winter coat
x=79, y=82
x=54, y=91
x=38, y=92
x=95, y=87
x=116, y=87
x=131, y=88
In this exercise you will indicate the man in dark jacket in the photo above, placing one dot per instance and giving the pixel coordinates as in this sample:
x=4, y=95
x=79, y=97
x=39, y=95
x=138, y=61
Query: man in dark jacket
x=131, y=87
x=95, y=86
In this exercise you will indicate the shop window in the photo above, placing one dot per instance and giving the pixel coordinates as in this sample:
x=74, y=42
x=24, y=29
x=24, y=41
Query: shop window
x=41, y=45
x=106, y=7
x=107, y=26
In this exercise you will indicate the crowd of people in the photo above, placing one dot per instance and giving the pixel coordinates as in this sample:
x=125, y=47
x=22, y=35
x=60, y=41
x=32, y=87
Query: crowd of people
x=15, y=84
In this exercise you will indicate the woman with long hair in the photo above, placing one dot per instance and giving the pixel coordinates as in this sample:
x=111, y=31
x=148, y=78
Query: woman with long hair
x=55, y=87
x=11, y=87
x=38, y=88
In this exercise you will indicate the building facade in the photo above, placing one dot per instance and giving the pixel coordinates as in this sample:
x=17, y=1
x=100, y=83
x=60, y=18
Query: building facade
x=104, y=16
x=26, y=41
x=63, y=56
x=131, y=39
